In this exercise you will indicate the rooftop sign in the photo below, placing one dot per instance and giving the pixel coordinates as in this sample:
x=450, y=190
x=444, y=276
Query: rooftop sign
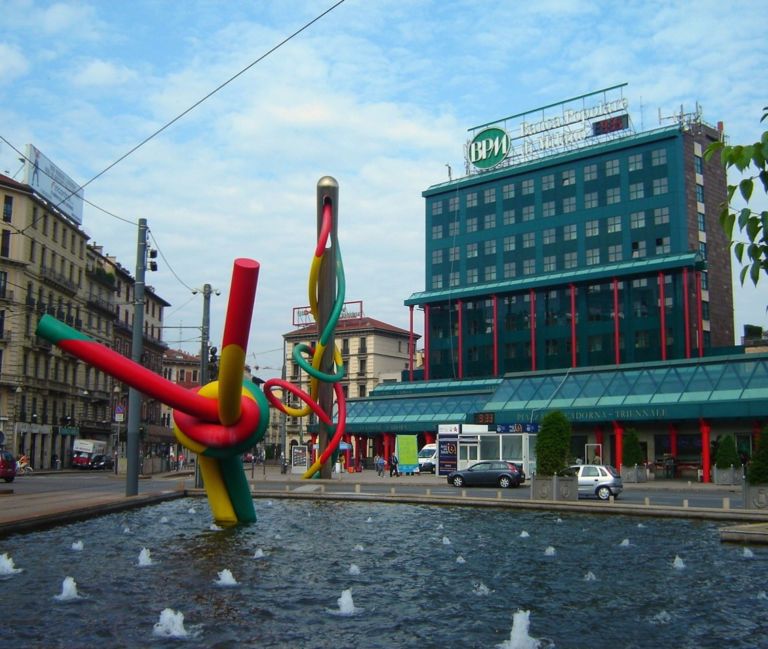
x=50, y=182
x=569, y=124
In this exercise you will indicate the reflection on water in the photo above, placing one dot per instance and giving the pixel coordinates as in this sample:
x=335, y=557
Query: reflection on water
x=673, y=585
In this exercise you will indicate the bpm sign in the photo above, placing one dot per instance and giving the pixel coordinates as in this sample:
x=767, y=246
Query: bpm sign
x=489, y=148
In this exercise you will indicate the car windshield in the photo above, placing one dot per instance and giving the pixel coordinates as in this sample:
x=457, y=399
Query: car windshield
x=426, y=452
x=612, y=471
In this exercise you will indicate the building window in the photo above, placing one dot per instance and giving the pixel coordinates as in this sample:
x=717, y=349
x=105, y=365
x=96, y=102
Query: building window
x=548, y=208
x=529, y=266
x=703, y=249
x=593, y=256
x=437, y=256
x=614, y=253
x=472, y=224
x=472, y=199
x=636, y=190
x=528, y=213
x=699, y=193
x=550, y=264
x=701, y=221
x=489, y=221
x=636, y=162
x=361, y=390
x=570, y=260
x=569, y=232
x=637, y=220
x=704, y=281
x=7, y=209
x=642, y=340
x=471, y=250
x=612, y=195
x=569, y=177
x=454, y=253
x=590, y=172
x=592, y=228
x=595, y=343
x=453, y=204
x=471, y=275
x=510, y=270
x=509, y=217
x=437, y=208
x=489, y=247
x=490, y=273
x=489, y=196
x=529, y=239
x=658, y=157
x=5, y=244
x=569, y=204
x=547, y=182
x=611, y=167
x=638, y=249
x=453, y=229
x=549, y=235
x=527, y=187
x=661, y=186
x=508, y=191
x=698, y=164
x=437, y=281
x=661, y=215
x=453, y=279
x=614, y=224
x=590, y=200
x=662, y=245
x=437, y=232
x=509, y=243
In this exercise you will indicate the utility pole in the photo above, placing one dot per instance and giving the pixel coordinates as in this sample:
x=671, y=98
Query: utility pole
x=137, y=351
x=205, y=341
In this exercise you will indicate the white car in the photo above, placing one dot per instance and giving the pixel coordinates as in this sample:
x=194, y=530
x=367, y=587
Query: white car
x=598, y=480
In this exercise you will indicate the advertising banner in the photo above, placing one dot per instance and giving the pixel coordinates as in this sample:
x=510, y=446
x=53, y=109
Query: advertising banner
x=50, y=182
x=299, y=459
x=407, y=454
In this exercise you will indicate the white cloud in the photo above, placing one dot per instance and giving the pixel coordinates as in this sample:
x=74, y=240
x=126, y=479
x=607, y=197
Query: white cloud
x=98, y=73
x=13, y=64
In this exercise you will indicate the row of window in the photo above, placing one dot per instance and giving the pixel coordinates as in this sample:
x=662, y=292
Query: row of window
x=565, y=178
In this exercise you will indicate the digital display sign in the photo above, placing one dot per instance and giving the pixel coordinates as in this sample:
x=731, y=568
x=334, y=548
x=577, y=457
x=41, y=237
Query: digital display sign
x=484, y=418
x=610, y=125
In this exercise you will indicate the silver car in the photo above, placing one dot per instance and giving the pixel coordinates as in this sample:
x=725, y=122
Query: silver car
x=598, y=480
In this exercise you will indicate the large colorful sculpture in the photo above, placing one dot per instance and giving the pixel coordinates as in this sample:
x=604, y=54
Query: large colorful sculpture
x=222, y=419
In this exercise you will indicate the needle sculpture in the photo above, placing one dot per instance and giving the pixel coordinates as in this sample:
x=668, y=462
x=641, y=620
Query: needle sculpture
x=222, y=419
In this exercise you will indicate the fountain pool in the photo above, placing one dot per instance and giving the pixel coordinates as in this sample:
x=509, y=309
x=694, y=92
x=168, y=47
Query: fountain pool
x=606, y=582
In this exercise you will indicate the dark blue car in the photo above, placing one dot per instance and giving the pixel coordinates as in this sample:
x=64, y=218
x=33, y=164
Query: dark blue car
x=489, y=473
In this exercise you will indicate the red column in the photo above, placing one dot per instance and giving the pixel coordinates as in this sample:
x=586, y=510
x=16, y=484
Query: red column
x=573, y=325
x=756, y=428
x=705, y=429
x=429, y=438
x=662, y=317
x=460, y=309
x=385, y=446
x=410, y=344
x=495, y=329
x=699, y=318
x=426, y=342
x=532, y=323
x=616, y=349
x=673, y=440
x=619, y=433
x=686, y=314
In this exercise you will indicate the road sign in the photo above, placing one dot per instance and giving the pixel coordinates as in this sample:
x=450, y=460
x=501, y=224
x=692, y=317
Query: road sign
x=119, y=413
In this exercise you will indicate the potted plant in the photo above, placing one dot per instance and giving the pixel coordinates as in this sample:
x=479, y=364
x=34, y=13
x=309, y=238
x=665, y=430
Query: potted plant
x=727, y=464
x=633, y=460
x=553, y=446
x=756, y=484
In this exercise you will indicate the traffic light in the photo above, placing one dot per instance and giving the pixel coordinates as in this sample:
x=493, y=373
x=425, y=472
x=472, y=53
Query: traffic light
x=213, y=364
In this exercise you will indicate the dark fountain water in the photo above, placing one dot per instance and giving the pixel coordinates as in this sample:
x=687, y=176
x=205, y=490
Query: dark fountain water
x=337, y=575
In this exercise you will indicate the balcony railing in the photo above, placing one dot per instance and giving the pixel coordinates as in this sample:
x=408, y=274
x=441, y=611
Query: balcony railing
x=52, y=277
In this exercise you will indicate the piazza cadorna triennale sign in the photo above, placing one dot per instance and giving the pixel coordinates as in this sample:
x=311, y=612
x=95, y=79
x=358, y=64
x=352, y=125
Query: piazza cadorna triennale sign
x=569, y=124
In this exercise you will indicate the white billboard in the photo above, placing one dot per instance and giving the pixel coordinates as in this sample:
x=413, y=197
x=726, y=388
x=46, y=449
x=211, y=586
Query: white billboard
x=53, y=184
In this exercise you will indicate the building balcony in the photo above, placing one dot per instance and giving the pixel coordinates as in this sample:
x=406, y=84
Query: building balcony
x=6, y=295
x=50, y=276
x=105, y=306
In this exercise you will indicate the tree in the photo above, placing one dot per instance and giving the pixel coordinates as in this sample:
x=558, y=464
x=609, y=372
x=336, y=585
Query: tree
x=727, y=455
x=751, y=161
x=757, y=472
x=553, y=444
x=633, y=452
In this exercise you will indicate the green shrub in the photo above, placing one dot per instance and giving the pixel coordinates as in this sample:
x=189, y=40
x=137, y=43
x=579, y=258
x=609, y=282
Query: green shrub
x=553, y=444
x=633, y=452
x=727, y=455
x=757, y=473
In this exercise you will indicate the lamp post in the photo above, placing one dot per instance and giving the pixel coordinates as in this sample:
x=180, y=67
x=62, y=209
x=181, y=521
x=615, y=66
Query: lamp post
x=14, y=446
x=118, y=415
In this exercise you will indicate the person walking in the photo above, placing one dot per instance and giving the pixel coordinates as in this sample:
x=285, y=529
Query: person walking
x=378, y=462
x=393, y=462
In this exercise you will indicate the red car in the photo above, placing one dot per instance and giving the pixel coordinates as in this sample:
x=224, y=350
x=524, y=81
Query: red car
x=81, y=460
x=7, y=466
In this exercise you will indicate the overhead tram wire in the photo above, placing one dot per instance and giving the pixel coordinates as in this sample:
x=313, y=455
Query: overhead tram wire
x=205, y=98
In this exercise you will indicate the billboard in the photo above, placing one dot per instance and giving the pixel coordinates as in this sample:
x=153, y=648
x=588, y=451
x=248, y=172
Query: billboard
x=50, y=182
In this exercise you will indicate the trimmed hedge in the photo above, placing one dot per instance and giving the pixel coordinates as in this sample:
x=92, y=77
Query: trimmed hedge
x=727, y=455
x=757, y=472
x=553, y=444
x=633, y=452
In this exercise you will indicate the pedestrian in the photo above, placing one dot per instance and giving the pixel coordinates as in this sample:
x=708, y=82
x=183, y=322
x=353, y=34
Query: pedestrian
x=378, y=463
x=393, y=462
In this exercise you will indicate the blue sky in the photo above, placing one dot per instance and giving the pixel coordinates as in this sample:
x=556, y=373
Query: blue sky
x=378, y=94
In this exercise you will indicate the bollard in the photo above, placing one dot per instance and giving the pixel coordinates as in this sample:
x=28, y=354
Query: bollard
x=357, y=488
x=287, y=487
x=685, y=502
x=726, y=502
x=429, y=491
x=647, y=501
x=322, y=488
x=498, y=494
x=391, y=491
x=463, y=493
x=611, y=499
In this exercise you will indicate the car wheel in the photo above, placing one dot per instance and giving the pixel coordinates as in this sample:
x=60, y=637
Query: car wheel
x=458, y=481
x=10, y=479
x=603, y=493
x=505, y=482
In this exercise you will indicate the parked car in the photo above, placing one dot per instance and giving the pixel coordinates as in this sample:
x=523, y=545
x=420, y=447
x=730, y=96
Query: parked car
x=7, y=466
x=81, y=460
x=428, y=458
x=598, y=480
x=102, y=462
x=491, y=473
